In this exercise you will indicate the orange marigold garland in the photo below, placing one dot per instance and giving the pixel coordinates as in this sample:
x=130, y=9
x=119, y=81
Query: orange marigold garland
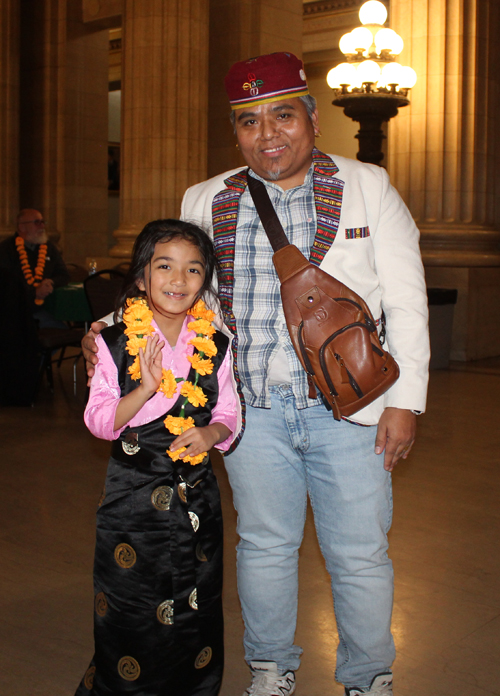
x=203, y=366
x=177, y=425
x=204, y=345
x=37, y=278
x=138, y=317
x=199, y=311
x=194, y=394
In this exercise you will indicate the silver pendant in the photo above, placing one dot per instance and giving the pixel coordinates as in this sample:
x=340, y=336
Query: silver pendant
x=193, y=599
x=195, y=520
x=130, y=445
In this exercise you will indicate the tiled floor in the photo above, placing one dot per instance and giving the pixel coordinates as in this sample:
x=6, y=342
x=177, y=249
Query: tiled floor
x=444, y=544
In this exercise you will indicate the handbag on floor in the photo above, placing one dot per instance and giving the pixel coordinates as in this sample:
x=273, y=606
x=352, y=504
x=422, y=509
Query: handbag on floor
x=331, y=327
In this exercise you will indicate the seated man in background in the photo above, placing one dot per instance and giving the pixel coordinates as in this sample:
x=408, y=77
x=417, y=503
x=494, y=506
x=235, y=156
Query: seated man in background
x=35, y=263
x=30, y=268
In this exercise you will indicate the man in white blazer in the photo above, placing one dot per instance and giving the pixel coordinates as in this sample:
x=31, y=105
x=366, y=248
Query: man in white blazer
x=350, y=221
x=292, y=447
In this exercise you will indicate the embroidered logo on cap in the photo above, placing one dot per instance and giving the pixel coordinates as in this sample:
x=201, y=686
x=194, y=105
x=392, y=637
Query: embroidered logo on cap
x=253, y=84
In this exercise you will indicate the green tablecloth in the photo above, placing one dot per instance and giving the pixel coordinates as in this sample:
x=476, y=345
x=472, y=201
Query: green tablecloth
x=69, y=303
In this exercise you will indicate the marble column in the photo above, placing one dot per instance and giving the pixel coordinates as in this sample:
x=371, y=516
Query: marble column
x=63, y=122
x=85, y=138
x=9, y=129
x=240, y=29
x=441, y=155
x=442, y=152
x=165, y=80
x=41, y=148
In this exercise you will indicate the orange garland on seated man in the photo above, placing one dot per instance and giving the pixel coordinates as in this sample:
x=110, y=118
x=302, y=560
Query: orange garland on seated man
x=31, y=279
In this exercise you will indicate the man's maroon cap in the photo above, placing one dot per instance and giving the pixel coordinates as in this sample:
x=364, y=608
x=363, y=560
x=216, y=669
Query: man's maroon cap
x=265, y=79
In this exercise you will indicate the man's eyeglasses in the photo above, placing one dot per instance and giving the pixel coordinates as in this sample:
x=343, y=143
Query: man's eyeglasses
x=35, y=222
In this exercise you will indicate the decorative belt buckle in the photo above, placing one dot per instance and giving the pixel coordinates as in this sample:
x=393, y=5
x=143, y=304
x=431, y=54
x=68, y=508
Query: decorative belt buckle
x=130, y=444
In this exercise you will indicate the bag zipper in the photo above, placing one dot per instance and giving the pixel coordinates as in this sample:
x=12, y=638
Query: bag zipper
x=370, y=325
x=355, y=386
x=352, y=381
x=309, y=367
x=305, y=357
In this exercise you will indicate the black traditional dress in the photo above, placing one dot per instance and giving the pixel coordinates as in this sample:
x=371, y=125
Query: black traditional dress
x=158, y=563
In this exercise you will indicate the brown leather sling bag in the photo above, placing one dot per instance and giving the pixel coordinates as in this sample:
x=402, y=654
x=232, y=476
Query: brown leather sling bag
x=331, y=326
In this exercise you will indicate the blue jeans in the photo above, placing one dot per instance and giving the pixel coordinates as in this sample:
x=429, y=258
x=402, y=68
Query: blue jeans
x=285, y=454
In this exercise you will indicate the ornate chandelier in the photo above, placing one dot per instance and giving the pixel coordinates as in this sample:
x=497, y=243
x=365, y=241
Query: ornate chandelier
x=371, y=85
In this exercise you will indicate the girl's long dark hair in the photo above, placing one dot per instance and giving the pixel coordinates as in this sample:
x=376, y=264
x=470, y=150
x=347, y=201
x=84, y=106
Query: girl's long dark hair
x=144, y=246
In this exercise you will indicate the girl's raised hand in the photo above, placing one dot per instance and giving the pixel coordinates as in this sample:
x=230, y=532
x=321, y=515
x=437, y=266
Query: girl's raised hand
x=150, y=365
x=150, y=362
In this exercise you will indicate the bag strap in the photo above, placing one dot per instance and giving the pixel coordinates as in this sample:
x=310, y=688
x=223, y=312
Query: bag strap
x=267, y=213
x=287, y=258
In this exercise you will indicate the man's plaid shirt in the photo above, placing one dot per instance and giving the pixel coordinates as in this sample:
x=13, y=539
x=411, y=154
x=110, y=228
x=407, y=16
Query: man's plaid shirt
x=257, y=303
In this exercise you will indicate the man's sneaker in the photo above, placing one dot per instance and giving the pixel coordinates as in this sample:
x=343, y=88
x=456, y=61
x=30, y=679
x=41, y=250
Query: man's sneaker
x=381, y=686
x=267, y=681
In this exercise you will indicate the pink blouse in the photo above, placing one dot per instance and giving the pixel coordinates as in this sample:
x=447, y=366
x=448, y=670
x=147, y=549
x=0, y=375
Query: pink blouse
x=105, y=391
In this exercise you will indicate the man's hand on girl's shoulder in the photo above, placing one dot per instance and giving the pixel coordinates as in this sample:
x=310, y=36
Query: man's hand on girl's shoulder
x=89, y=348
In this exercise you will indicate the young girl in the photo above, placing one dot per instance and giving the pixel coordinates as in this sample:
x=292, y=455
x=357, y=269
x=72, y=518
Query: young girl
x=163, y=393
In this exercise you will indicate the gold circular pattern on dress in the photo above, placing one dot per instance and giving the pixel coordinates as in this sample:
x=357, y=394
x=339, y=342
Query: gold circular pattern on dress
x=161, y=497
x=101, y=604
x=165, y=612
x=203, y=658
x=125, y=556
x=181, y=490
x=128, y=668
x=193, y=599
x=200, y=554
x=195, y=520
x=88, y=679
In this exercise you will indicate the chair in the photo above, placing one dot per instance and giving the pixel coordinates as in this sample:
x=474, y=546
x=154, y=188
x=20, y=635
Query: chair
x=102, y=290
x=51, y=340
x=77, y=274
x=122, y=267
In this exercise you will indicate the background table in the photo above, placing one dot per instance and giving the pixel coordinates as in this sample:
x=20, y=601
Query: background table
x=69, y=303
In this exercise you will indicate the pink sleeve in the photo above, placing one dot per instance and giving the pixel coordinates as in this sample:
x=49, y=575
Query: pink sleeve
x=226, y=409
x=104, y=396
